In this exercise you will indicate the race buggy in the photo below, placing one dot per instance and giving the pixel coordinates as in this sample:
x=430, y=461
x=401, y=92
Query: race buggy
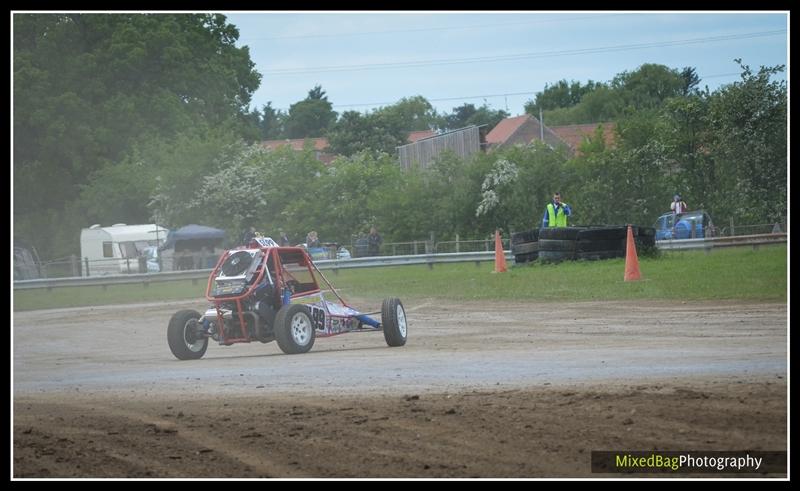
x=263, y=292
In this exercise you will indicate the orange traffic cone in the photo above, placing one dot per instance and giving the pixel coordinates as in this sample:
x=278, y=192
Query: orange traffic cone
x=631, y=259
x=499, y=254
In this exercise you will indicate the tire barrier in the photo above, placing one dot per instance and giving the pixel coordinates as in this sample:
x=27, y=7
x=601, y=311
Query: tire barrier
x=525, y=246
x=524, y=258
x=599, y=245
x=595, y=255
x=560, y=233
x=616, y=232
x=523, y=237
x=558, y=245
x=593, y=243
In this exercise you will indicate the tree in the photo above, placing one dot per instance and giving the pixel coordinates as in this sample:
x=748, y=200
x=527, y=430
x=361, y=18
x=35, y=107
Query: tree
x=412, y=113
x=468, y=114
x=87, y=87
x=648, y=86
x=379, y=131
x=685, y=130
x=690, y=80
x=601, y=104
x=311, y=117
x=748, y=121
x=517, y=185
x=248, y=185
x=271, y=122
x=317, y=94
x=562, y=94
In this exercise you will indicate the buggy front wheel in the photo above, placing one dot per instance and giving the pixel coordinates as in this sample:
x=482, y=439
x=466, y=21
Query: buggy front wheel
x=393, y=320
x=184, y=340
x=294, y=329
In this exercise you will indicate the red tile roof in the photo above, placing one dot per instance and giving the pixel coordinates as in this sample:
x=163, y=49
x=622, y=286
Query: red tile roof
x=320, y=144
x=575, y=134
x=419, y=135
x=505, y=129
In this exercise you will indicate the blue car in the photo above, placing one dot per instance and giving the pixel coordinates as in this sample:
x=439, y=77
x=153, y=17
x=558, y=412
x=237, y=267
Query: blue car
x=670, y=226
x=151, y=255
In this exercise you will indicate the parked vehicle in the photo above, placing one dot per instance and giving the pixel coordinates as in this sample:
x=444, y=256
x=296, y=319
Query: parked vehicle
x=263, y=292
x=690, y=225
x=150, y=255
x=343, y=253
x=26, y=262
x=116, y=249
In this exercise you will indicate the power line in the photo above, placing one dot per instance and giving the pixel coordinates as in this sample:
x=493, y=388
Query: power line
x=482, y=96
x=519, y=56
x=424, y=29
x=439, y=99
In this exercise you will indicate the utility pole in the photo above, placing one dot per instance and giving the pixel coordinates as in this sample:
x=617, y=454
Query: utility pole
x=541, y=124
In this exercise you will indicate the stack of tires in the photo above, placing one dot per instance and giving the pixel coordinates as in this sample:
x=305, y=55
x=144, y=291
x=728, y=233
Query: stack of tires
x=645, y=240
x=558, y=244
x=602, y=242
x=608, y=242
x=592, y=243
x=525, y=246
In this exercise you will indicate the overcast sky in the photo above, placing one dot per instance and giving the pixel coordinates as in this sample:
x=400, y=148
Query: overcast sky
x=371, y=59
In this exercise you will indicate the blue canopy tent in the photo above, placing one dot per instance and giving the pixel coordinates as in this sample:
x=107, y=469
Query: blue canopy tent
x=193, y=247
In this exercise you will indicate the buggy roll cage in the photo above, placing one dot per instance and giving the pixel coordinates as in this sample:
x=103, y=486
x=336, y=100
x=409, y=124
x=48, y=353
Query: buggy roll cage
x=273, y=267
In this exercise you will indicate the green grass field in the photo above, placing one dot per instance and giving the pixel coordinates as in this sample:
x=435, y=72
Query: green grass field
x=738, y=273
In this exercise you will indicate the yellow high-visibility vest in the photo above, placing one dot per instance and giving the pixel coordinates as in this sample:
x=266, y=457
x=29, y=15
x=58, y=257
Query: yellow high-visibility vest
x=556, y=218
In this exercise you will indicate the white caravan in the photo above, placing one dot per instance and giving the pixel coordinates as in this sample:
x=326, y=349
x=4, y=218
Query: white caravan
x=116, y=249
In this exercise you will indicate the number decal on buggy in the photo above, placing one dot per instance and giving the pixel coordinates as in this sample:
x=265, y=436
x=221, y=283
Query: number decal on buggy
x=318, y=316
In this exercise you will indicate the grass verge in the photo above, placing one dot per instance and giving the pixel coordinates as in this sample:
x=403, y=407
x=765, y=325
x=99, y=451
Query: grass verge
x=736, y=273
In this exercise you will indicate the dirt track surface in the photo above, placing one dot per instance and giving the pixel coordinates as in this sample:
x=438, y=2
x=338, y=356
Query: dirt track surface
x=480, y=390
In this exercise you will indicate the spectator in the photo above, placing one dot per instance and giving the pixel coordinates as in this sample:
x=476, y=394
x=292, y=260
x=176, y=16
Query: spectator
x=556, y=213
x=206, y=258
x=283, y=239
x=183, y=260
x=678, y=206
x=248, y=235
x=360, y=246
x=374, y=242
x=312, y=240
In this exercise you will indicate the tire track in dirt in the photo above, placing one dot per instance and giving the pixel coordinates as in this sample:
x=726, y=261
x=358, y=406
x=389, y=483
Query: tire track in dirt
x=144, y=427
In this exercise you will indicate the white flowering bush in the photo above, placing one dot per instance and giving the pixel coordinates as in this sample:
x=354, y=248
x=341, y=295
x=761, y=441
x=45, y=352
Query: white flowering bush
x=503, y=172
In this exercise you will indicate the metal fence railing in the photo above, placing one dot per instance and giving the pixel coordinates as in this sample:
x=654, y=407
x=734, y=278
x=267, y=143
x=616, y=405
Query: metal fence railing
x=414, y=247
x=761, y=228
x=430, y=260
x=367, y=262
x=484, y=245
x=74, y=266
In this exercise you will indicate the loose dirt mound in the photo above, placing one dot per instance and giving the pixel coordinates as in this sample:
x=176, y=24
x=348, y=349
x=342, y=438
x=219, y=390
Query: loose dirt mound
x=548, y=432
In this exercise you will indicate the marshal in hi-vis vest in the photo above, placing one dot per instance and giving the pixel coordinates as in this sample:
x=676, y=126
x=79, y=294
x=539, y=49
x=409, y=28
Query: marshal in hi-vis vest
x=556, y=218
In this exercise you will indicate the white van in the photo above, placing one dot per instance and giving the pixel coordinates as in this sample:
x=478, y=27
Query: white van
x=116, y=249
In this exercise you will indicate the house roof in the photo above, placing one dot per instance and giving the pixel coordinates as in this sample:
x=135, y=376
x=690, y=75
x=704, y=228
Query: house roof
x=575, y=134
x=505, y=129
x=320, y=144
x=419, y=135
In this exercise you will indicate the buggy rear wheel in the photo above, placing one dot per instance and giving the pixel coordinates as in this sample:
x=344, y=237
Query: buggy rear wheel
x=183, y=338
x=393, y=320
x=294, y=329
